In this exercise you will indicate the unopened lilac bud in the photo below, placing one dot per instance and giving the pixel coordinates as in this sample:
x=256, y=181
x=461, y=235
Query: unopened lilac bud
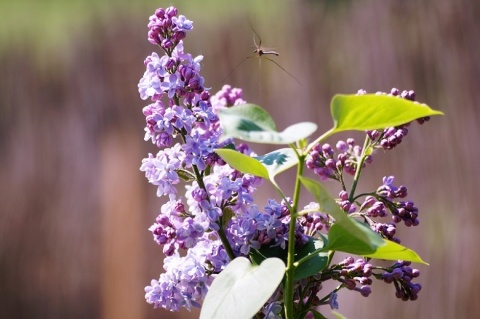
x=179, y=35
x=330, y=163
x=205, y=96
x=394, y=91
x=401, y=192
x=171, y=11
x=345, y=205
x=365, y=291
x=160, y=13
x=343, y=195
x=342, y=146
x=327, y=149
x=167, y=44
x=350, y=283
x=397, y=273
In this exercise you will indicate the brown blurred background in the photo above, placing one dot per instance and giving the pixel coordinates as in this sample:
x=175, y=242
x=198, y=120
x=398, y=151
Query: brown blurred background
x=75, y=208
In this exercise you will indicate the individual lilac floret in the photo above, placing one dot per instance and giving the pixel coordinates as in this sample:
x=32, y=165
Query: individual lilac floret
x=401, y=274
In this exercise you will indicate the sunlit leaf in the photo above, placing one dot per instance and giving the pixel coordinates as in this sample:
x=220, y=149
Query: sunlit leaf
x=317, y=315
x=372, y=111
x=252, y=123
x=241, y=289
x=242, y=162
x=344, y=238
x=394, y=251
x=278, y=161
x=338, y=315
x=346, y=234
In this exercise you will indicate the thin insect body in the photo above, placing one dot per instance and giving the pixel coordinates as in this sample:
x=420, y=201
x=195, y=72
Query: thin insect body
x=260, y=53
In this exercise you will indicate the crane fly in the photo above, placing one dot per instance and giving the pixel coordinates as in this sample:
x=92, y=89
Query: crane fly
x=260, y=53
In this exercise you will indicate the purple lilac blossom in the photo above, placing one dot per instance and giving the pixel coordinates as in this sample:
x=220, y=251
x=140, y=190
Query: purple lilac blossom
x=322, y=160
x=401, y=275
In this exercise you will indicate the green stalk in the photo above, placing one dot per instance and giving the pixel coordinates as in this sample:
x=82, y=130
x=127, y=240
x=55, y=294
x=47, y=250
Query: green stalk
x=290, y=271
x=366, y=144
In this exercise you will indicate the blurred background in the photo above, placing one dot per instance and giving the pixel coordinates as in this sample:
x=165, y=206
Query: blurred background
x=75, y=208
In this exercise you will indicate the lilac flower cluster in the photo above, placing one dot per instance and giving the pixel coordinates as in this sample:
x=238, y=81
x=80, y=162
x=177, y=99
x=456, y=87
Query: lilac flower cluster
x=213, y=218
x=401, y=274
x=379, y=204
x=253, y=228
x=186, y=280
x=314, y=221
x=352, y=273
x=324, y=163
x=182, y=122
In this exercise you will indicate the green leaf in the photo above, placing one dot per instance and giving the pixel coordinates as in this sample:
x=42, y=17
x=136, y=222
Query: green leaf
x=371, y=111
x=394, y=251
x=338, y=315
x=317, y=315
x=251, y=113
x=241, y=289
x=185, y=175
x=266, y=166
x=346, y=239
x=346, y=234
x=252, y=123
x=351, y=236
x=243, y=163
x=312, y=265
x=268, y=251
x=278, y=161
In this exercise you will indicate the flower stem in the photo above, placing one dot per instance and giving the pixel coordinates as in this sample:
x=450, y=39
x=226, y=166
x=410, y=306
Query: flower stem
x=290, y=271
x=363, y=156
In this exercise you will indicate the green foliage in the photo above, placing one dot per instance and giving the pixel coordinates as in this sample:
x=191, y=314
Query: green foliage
x=312, y=265
x=371, y=111
x=346, y=234
x=251, y=123
x=241, y=289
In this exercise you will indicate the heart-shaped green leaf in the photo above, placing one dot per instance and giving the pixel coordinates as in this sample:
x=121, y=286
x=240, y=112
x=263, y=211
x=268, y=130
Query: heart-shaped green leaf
x=372, y=111
x=241, y=289
x=252, y=123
